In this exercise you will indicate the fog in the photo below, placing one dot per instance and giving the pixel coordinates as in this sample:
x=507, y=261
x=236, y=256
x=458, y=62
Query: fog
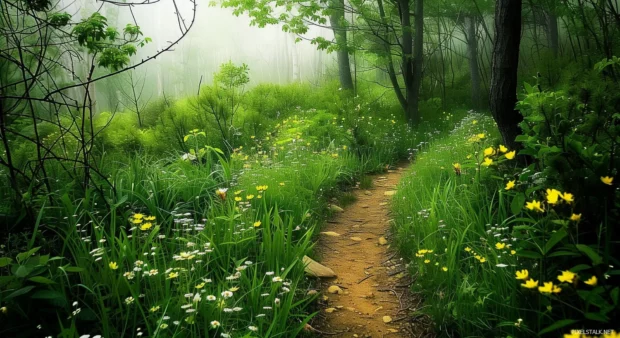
x=216, y=36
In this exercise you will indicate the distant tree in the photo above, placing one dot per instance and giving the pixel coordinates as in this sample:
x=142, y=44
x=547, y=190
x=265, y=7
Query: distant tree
x=505, y=62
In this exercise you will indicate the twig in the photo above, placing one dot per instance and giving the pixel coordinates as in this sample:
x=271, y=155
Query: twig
x=365, y=278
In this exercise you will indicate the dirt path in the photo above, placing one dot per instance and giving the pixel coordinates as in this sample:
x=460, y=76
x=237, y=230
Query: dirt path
x=369, y=302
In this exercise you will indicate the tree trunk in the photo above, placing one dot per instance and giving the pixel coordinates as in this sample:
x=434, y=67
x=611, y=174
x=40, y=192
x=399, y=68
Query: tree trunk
x=503, y=93
x=472, y=54
x=340, y=34
x=418, y=59
x=552, y=32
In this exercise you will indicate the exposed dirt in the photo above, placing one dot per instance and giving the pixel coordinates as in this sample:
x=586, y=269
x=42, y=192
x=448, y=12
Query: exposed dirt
x=373, y=299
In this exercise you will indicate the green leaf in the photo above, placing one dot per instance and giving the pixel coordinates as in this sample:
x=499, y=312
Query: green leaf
x=563, y=253
x=529, y=254
x=22, y=256
x=599, y=317
x=596, y=259
x=73, y=269
x=517, y=203
x=19, y=292
x=554, y=240
x=557, y=325
x=614, y=295
x=54, y=297
x=23, y=271
x=41, y=280
x=4, y=261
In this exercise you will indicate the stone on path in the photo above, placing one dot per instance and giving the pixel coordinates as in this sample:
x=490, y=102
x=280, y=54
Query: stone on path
x=315, y=269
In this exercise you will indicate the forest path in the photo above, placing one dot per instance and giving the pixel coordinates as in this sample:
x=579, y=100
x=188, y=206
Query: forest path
x=369, y=296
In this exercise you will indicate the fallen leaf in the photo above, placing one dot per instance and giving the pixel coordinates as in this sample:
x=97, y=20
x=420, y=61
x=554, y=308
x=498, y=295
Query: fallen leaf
x=330, y=309
x=334, y=289
x=330, y=233
x=312, y=292
x=393, y=330
x=357, y=239
x=383, y=203
x=335, y=208
x=387, y=319
x=382, y=241
x=316, y=269
x=389, y=193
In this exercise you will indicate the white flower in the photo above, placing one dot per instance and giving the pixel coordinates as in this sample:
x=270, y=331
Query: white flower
x=129, y=300
x=269, y=273
x=197, y=298
x=211, y=298
x=215, y=324
x=253, y=328
x=276, y=279
x=227, y=294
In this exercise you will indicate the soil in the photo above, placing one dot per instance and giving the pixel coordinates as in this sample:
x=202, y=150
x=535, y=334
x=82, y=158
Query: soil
x=373, y=299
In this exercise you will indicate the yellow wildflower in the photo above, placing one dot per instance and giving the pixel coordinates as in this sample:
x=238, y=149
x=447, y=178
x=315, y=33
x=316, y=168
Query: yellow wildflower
x=173, y=275
x=249, y=197
x=482, y=260
x=150, y=218
x=534, y=205
x=154, y=308
x=592, y=281
x=568, y=197
x=113, y=265
x=503, y=148
x=548, y=288
x=513, y=252
x=511, y=155
x=146, y=226
x=257, y=224
x=500, y=246
x=238, y=192
x=530, y=284
x=553, y=196
x=481, y=136
x=468, y=249
x=136, y=220
x=487, y=161
x=607, y=180
x=575, y=217
x=427, y=261
x=444, y=268
x=200, y=286
x=138, y=216
x=238, y=199
x=566, y=277
x=489, y=151
x=523, y=274
x=510, y=184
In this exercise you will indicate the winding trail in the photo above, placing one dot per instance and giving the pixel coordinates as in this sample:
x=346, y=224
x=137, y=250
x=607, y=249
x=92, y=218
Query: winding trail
x=371, y=298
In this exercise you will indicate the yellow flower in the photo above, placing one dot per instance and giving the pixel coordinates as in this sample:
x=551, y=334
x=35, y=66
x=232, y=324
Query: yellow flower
x=249, y=197
x=592, y=281
x=510, y=184
x=456, y=165
x=468, y=249
x=500, y=246
x=566, y=277
x=607, y=180
x=138, y=216
x=572, y=335
x=502, y=148
x=150, y=218
x=154, y=308
x=513, y=252
x=481, y=136
x=534, y=205
x=238, y=199
x=487, y=162
x=4, y=309
x=444, y=268
x=549, y=288
x=238, y=192
x=489, y=151
x=136, y=220
x=523, y=274
x=173, y=275
x=113, y=265
x=530, y=284
x=511, y=155
x=427, y=261
x=575, y=217
x=200, y=286
x=474, y=122
x=482, y=260
x=257, y=224
x=146, y=226
x=221, y=193
x=553, y=196
x=281, y=184
x=568, y=197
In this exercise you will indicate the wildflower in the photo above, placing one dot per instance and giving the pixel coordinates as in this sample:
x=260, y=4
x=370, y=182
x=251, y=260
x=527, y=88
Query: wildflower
x=427, y=261
x=146, y=226
x=510, y=184
x=276, y=279
x=150, y=218
x=238, y=199
x=113, y=265
x=3, y=309
x=489, y=151
x=221, y=193
x=457, y=168
x=530, y=284
x=513, y=252
x=468, y=249
x=154, y=308
x=173, y=275
x=553, y=196
x=249, y=197
x=233, y=289
x=487, y=161
x=511, y=155
x=197, y=298
x=136, y=220
x=592, y=281
x=566, y=277
x=534, y=205
x=163, y=326
x=607, y=180
x=502, y=148
x=523, y=274
x=227, y=294
x=215, y=324
x=575, y=217
x=500, y=245
x=211, y=298
x=138, y=216
x=568, y=197
x=444, y=268
x=281, y=184
x=129, y=275
x=257, y=224
x=200, y=286
x=549, y=288
x=481, y=136
x=482, y=260
x=129, y=300
x=252, y=328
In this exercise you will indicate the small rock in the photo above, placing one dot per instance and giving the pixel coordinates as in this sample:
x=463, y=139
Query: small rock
x=389, y=193
x=330, y=309
x=312, y=292
x=383, y=203
x=357, y=239
x=330, y=233
x=315, y=269
x=387, y=319
x=382, y=241
x=335, y=289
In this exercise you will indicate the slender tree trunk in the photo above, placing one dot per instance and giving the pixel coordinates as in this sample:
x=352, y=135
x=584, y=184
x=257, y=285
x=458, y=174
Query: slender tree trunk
x=418, y=57
x=340, y=34
x=503, y=93
x=552, y=32
x=472, y=54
